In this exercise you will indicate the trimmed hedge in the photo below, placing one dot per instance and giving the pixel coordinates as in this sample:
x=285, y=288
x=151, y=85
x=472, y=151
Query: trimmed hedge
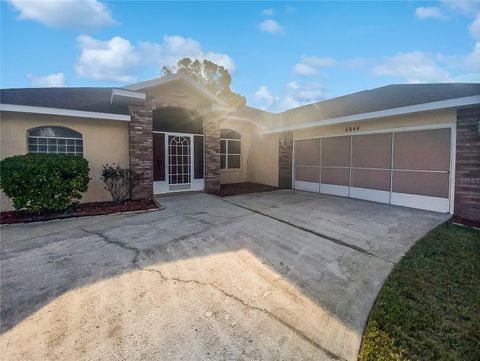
x=38, y=182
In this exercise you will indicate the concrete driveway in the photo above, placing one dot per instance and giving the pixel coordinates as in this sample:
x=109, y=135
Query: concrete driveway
x=270, y=276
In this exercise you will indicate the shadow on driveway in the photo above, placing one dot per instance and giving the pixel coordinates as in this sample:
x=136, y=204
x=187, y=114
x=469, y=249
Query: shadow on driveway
x=220, y=279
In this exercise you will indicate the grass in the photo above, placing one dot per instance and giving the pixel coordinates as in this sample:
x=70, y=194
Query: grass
x=429, y=307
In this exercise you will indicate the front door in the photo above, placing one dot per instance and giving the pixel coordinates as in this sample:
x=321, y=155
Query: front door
x=179, y=162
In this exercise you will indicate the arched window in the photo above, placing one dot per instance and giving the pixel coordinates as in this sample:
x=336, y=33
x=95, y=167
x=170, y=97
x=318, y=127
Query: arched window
x=230, y=149
x=54, y=140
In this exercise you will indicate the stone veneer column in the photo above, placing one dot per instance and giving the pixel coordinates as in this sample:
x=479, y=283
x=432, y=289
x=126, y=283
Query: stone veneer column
x=141, y=149
x=467, y=167
x=211, y=132
x=285, y=153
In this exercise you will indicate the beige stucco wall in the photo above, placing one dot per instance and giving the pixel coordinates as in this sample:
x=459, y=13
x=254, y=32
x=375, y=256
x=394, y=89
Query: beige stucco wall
x=263, y=164
x=418, y=119
x=104, y=141
x=259, y=155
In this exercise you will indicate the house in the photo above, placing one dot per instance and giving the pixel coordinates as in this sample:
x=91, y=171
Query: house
x=414, y=145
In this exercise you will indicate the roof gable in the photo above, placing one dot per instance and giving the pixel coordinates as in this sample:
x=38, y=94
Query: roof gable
x=194, y=85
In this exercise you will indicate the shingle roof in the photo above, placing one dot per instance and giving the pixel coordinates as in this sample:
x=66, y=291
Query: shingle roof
x=86, y=99
x=386, y=97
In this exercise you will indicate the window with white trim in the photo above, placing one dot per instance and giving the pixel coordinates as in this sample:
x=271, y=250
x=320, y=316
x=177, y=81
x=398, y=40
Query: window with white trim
x=230, y=149
x=54, y=140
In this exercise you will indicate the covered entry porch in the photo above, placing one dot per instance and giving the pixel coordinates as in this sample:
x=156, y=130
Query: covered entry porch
x=178, y=150
x=175, y=136
x=184, y=138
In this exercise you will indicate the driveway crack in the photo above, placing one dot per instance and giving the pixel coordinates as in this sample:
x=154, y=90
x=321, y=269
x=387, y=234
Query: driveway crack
x=252, y=307
x=318, y=234
x=135, y=259
x=117, y=243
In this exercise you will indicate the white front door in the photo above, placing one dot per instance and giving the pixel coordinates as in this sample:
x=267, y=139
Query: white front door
x=179, y=165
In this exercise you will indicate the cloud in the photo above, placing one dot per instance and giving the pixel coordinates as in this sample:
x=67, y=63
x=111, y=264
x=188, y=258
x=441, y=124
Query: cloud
x=472, y=60
x=81, y=14
x=118, y=59
x=475, y=27
x=305, y=93
x=467, y=7
x=415, y=67
x=310, y=65
x=305, y=70
x=264, y=96
x=175, y=47
x=270, y=26
x=267, y=12
x=47, y=81
x=113, y=59
x=296, y=94
x=429, y=12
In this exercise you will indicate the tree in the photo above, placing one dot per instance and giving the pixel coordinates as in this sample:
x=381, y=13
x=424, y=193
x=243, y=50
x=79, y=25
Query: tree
x=212, y=76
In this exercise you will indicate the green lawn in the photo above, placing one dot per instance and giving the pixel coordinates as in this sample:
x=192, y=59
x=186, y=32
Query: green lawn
x=429, y=307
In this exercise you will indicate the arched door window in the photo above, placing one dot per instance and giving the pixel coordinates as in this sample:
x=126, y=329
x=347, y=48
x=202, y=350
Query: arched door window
x=54, y=140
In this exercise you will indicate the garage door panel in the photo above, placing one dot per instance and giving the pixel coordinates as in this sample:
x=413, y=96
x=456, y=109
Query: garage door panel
x=418, y=177
x=422, y=150
x=336, y=176
x=336, y=151
x=307, y=174
x=307, y=152
x=421, y=183
x=372, y=151
x=371, y=179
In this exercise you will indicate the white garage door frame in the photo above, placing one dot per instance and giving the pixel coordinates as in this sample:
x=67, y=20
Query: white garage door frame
x=402, y=199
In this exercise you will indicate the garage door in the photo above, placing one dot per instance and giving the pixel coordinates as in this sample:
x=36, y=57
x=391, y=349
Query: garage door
x=407, y=168
x=371, y=167
x=421, y=164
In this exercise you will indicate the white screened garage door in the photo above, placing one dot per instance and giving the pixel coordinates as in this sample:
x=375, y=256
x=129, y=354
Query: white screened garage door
x=406, y=168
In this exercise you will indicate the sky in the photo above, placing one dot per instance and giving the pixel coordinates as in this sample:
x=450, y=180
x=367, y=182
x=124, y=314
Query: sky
x=280, y=54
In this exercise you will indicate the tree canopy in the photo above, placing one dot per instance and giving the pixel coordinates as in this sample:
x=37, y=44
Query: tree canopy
x=212, y=76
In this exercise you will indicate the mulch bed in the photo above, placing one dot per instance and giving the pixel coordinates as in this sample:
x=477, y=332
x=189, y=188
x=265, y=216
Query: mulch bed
x=82, y=210
x=236, y=189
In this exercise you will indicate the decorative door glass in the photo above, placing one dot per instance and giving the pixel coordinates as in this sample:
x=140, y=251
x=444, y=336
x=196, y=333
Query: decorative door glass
x=179, y=159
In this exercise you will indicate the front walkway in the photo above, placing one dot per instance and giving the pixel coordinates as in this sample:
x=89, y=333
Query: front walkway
x=278, y=275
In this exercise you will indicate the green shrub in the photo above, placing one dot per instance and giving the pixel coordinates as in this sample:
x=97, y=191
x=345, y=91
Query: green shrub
x=39, y=182
x=119, y=181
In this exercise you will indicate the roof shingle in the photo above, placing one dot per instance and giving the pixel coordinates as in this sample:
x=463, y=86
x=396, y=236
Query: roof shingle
x=387, y=97
x=85, y=99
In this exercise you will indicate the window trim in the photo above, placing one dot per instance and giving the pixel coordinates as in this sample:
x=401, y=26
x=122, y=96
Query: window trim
x=226, y=154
